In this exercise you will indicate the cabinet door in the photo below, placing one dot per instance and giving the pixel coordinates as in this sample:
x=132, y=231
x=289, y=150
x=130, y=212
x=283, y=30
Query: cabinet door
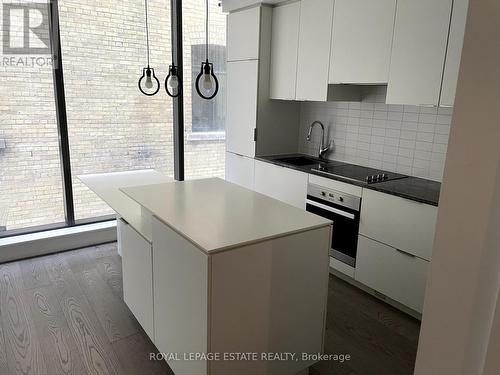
x=418, y=51
x=454, y=52
x=284, y=49
x=362, y=55
x=398, y=222
x=399, y=276
x=137, y=276
x=243, y=34
x=313, y=59
x=284, y=184
x=239, y=170
x=241, y=113
x=181, y=298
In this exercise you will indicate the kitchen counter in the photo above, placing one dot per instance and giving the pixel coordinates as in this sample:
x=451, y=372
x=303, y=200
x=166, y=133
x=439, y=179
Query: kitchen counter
x=216, y=215
x=413, y=188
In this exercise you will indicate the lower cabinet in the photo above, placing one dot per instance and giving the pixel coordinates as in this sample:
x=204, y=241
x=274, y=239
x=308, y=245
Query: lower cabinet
x=396, y=274
x=284, y=184
x=239, y=170
x=137, y=264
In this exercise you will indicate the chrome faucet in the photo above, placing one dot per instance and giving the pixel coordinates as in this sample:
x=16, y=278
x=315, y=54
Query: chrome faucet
x=322, y=149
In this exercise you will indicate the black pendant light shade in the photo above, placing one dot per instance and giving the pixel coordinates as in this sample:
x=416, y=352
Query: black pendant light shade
x=148, y=84
x=207, y=84
x=173, y=82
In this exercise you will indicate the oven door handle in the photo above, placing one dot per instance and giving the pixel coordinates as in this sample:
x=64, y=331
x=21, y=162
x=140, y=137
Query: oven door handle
x=331, y=209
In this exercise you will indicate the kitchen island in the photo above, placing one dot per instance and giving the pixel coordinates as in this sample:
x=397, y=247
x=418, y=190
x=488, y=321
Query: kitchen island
x=234, y=272
x=228, y=281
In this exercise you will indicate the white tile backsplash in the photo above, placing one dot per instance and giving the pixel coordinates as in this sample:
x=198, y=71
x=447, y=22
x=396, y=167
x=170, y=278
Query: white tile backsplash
x=405, y=139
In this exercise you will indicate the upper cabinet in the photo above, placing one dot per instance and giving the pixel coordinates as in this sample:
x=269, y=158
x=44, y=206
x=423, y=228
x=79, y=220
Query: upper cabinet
x=284, y=49
x=361, y=41
x=243, y=34
x=418, y=51
x=454, y=53
x=313, y=58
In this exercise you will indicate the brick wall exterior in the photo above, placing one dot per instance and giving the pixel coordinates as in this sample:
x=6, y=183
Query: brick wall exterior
x=112, y=126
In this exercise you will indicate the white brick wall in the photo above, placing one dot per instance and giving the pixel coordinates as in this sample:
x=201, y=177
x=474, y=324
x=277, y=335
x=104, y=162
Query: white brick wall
x=406, y=139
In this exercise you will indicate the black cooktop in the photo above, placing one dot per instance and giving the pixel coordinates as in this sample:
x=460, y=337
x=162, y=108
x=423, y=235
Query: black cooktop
x=358, y=173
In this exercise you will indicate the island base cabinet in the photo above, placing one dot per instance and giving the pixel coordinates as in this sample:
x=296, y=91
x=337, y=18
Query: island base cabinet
x=263, y=297
x=137, y=272
x=396, y=274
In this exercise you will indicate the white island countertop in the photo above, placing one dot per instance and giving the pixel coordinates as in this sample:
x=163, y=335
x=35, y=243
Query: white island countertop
x=217, y=215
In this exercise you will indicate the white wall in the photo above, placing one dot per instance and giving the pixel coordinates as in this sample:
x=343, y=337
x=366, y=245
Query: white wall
x=464, y=277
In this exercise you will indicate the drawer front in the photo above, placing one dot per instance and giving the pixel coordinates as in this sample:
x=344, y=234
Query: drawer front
x=397, y=275
x=243, y=34
x=239, y=170
x=398, y=222
x=137, y=271
x=284, y=184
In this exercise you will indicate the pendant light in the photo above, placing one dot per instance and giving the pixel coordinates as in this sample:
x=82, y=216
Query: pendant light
x=146, y=84
x=173, y=81
x=210, y=83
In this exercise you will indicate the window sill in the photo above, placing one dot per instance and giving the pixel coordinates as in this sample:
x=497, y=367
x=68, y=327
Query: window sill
x=205, y=136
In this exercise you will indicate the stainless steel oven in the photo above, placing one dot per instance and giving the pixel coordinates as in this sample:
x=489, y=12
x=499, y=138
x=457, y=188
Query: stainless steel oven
x=343, y=209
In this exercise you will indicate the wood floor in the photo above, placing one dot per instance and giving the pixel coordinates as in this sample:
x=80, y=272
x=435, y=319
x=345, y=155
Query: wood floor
x=64, y=314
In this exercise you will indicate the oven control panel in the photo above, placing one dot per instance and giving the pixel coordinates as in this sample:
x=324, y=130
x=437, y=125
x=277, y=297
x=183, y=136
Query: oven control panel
x=334, y=196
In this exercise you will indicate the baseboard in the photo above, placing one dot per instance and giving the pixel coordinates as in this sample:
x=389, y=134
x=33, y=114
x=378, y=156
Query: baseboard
x=53, y=241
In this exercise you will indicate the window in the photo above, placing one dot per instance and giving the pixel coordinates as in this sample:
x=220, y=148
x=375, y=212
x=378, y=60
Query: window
x=204, y=120
x=31, y=189
x=112, y=126
x=209, y=115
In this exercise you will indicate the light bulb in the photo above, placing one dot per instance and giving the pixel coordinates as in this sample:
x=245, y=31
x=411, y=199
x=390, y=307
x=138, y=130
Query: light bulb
x=149, y=82
x=207, y=82
x=173, y=82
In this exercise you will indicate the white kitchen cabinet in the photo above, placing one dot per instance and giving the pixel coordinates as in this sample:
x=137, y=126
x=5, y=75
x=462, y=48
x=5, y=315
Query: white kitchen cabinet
x=284, y=184
x=401, y=223
x=418, y=51
x=454, y=52
x=137, y=265
x=313, y=60
x=361, y=41
x=241, y=112
x=284, y=49
x=243, y=34
x=399, y=276
x=239, y=170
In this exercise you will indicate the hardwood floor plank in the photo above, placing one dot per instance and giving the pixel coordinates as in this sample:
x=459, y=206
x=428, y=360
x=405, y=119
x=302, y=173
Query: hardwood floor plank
x=34, y=273
x=97, y=353
x=112, y=312
x=106, y=250
x=63, y=280
x=110, y=270
x=23, y=348
x=58, y=346
x=133, y=352
x=81, y=259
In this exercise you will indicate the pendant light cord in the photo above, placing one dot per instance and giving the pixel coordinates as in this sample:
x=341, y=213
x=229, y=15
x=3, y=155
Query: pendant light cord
x=206, y=32
x=147, y=27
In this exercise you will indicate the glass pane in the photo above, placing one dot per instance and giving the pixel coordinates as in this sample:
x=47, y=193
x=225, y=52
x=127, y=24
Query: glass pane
x=112, y=125
x=31, y=192
x=204, y=120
